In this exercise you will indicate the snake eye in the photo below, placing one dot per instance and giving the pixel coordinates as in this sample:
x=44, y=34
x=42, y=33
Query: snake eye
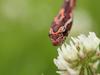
x=61, y=29
x=49, y=35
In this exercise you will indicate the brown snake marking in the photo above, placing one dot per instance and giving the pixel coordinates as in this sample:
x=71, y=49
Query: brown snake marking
x=62, y=23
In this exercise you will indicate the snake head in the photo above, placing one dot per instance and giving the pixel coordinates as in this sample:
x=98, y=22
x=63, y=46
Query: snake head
x=58, y=37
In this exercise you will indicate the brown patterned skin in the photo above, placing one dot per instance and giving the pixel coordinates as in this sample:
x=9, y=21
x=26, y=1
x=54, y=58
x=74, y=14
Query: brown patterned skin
x=62, y=23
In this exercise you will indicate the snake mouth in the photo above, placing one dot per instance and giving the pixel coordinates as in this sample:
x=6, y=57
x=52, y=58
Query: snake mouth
x=57, y=39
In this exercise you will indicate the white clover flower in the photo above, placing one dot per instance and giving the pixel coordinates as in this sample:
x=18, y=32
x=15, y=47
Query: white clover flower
x=80, y=57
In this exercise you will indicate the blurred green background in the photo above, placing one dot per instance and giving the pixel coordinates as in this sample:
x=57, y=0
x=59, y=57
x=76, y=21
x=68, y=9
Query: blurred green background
x=25, y=48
